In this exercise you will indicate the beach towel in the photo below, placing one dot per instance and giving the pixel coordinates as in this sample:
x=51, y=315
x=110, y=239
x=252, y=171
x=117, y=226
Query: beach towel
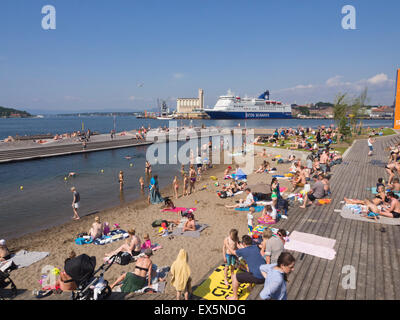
x=311, y=244
x=180, y=271
x=256, y=208
x=348, y=213
x=25, y=258
x=214, y=288
x=324, y=201
x=177, y=209
x=264, y=203
x=193, y=234
x=114, y=235
x=280, y=177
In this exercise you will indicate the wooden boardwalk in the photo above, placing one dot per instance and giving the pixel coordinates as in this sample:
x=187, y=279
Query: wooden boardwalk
x=373, y=252
x=66, y=149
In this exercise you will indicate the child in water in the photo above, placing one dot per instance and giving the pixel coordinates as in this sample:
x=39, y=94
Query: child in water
x=176, y=187
x=185, y=185
x=141, y=181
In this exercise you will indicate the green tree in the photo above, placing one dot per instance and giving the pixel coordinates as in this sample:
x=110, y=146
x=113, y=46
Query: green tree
x=339, y=113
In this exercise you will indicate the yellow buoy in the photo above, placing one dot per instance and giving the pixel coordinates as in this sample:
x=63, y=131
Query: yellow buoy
x=21, y=187
x=101, y=170
x=131, y=165
x=65, y=178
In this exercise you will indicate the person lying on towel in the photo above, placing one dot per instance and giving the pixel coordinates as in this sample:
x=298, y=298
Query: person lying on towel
x=244, y=203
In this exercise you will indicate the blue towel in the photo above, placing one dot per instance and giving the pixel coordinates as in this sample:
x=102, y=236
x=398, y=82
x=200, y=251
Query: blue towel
x=257, y=208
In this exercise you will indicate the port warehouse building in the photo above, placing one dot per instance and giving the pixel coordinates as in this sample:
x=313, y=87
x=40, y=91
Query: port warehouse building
x=190, y=105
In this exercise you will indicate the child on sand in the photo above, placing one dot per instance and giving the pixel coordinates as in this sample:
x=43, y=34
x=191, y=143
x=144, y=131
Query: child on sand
x=183, y=171
x=176, y=186
x=230, y=246
x=147, y=242
x=199, y=173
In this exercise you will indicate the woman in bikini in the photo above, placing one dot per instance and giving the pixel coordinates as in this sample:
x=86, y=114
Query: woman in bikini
x=147, y=169
x=192, y=176
x=134, y=281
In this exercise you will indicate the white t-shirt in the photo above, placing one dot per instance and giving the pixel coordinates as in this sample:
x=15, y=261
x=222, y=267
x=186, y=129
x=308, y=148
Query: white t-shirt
x=250, y=219
x=369, y=142
x=249, y=199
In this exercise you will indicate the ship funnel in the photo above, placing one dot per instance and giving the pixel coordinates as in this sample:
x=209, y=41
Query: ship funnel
x=262, y=96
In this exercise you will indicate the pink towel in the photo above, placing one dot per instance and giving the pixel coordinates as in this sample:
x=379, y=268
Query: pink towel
x=177, y=209
x=282, y=189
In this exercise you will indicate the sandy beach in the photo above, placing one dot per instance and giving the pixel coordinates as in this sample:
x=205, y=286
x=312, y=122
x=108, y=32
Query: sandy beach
x=204, y=252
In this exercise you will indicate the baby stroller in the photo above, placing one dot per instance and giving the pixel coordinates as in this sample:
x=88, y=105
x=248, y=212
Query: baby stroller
x=5, y=281
x=90, y=287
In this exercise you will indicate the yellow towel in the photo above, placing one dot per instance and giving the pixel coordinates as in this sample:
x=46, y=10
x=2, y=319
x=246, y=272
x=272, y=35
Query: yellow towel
x=180, y=271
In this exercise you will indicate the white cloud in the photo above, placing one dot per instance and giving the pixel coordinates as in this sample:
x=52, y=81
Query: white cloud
x=178, y=75
x=380, y=90
x=378, y=79
x=132, y=98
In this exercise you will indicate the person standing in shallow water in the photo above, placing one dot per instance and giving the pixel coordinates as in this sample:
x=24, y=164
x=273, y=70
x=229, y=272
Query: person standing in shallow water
x=121, y=180
x=75, y=203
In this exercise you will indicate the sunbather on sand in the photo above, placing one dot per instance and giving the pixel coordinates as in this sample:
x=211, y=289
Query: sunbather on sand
x=243, y=203
x=134, y=281
x=96, y=231
x=190, y=224
x=4, y=252
x=131, y=245
x=61, y=281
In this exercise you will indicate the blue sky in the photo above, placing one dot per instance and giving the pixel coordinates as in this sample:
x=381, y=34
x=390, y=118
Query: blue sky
x=101, y=51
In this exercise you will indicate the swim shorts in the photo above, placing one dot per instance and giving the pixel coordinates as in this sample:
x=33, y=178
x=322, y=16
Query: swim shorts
x=395, y=214
x=76, y=205
x=230, y=259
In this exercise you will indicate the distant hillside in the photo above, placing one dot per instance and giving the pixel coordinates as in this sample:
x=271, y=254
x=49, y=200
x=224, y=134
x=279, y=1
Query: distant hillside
x=13, y=113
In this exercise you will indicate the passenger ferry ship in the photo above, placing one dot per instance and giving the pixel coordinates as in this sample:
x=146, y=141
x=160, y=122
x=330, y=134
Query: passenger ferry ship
x=233, y=107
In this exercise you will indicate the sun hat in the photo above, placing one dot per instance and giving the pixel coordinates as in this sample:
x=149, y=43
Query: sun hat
x=2, y=242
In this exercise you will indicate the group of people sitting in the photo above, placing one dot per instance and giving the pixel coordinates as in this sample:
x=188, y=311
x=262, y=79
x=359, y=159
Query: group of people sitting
x=385, y=203
x=266, y=263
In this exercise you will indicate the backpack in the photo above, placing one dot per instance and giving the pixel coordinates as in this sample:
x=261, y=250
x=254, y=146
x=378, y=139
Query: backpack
x=223, y=194
x=123, y=258
x=157, y=223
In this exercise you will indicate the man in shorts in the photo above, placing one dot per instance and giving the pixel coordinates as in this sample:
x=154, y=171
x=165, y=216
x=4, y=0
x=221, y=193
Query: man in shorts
x=251, y=254
x=75, y=203
x=317, y=192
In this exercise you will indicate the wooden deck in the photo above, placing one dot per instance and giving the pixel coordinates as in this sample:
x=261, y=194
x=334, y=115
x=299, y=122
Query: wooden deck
x=373, y=252
x=66, y=149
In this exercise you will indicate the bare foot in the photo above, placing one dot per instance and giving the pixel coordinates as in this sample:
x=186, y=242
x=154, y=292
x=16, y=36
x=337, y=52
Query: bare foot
x=226, y=283
x=231, y=298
